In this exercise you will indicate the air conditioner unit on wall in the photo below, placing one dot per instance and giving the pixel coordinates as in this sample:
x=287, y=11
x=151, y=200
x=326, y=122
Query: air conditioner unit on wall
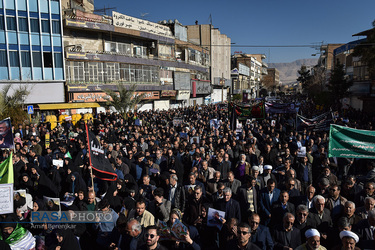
x=78, y=47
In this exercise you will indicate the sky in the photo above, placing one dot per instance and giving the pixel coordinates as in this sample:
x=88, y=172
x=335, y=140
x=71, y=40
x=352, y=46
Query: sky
x=268, y=23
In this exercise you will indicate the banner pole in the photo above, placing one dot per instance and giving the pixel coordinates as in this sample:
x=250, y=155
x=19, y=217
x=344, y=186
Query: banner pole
x=88, y=148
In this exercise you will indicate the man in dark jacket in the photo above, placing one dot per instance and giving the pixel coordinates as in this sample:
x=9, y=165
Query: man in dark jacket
x=268, y=196
x=248, y=197
x=243, y=239
x=260, y=235
x=230, y=206
x=176, y=194
x=281, y=207
x=286, y=236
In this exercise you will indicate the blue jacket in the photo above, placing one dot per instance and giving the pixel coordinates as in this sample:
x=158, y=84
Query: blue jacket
x=265, y=203
x=262, y=238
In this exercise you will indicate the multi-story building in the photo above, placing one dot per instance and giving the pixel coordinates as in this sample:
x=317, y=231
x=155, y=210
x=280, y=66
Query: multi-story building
x=103, y=51
x=31, y=49
x=326, y=62
x=257, y=67
x=219, y=47
x=271, y=81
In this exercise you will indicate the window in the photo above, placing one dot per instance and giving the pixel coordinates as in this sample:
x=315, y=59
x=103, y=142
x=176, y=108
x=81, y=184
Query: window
x=124, y=72
x=75, y=71
x=3, y=58
x=13, y=59
x=22, y=24
x=94, y=71
x=2, y=27
x=34, y=25
x=11, y=23
x=25, y=59
x=45, y=26
x=113, y=72
x=56, y=27
x=58, y=60
x=37, y=59
x=191, y=55
x=47, y=57
x=124, y=48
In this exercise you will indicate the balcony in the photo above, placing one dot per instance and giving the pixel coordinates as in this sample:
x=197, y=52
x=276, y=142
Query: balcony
x=107, y=56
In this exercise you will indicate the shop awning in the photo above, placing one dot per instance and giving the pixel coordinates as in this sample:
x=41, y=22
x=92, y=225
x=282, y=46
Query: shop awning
x=68, y=105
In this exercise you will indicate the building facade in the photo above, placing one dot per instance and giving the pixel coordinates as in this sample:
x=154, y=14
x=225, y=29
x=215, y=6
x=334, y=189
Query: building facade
x=271, y=81
x=31, y=48
x=258, y=69
x=219, y=47
x=104, y=51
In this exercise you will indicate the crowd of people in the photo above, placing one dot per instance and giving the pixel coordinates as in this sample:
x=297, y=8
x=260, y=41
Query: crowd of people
x=177, y=165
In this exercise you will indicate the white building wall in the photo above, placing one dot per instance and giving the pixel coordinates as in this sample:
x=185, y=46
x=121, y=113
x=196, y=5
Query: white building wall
x=216, y=95
x=161, y=105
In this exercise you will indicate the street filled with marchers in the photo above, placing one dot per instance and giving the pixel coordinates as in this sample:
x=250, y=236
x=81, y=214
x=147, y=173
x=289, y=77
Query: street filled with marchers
x=202, y=177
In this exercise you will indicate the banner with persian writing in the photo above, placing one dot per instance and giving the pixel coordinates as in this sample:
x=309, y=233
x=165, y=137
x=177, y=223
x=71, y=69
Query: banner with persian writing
x=351, y=143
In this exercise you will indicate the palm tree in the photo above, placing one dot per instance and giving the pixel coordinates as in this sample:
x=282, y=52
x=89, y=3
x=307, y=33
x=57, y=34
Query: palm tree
x=124, y=99
x=11, y=103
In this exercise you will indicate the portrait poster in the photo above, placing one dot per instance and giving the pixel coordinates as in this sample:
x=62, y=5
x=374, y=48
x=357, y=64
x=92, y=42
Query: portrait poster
x=215, y=218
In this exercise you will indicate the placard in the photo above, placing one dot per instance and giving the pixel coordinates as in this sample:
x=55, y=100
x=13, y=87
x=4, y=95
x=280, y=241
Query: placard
x=59, y=163
x=301, y=152
x=6, y=198
x=215, y=218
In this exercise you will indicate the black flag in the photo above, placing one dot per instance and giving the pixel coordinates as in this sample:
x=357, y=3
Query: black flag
x=233, y=118
x=101, y=166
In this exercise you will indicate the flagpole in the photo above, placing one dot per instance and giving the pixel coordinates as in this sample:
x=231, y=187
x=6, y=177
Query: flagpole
x=88, y=147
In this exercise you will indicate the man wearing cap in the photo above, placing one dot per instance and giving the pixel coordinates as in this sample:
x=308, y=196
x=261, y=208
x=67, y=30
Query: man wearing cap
x=348, y=241
x=312, y=241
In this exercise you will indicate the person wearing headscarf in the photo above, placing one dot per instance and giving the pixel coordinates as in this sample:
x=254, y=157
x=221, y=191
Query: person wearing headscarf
x=15, y=235
x=42, y=185
x=26, y=183
x=114, y=200
x=130, y=184
x=67, y=240
x=74, y=184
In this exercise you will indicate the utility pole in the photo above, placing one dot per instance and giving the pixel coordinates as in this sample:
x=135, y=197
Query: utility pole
x=222, y=87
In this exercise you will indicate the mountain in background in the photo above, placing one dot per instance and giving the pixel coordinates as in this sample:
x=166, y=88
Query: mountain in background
x=288, y=71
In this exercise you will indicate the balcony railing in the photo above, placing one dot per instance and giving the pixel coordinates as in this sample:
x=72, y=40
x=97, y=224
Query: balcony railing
x=107, y=21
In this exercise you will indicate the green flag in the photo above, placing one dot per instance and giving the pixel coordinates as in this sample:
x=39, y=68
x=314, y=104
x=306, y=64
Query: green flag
x=351, y=143
x=6, y=170
x=67, y=155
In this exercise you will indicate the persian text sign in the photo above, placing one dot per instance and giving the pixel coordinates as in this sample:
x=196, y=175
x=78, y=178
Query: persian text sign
x=351, y=143
x=6, y=198
x=124, y=21
x=103, y=97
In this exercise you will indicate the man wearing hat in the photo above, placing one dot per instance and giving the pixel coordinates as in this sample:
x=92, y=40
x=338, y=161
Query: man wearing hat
x=312, y=241
x=348, y=241
x=266, y=175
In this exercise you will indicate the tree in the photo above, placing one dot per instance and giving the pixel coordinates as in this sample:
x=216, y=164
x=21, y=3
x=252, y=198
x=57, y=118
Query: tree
x=304, y=77
x=125, y=98
x=366, y=50
x=338, y=85
x=11, y=103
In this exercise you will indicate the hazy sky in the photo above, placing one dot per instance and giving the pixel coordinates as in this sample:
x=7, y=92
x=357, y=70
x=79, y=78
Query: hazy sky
x=263, y=22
